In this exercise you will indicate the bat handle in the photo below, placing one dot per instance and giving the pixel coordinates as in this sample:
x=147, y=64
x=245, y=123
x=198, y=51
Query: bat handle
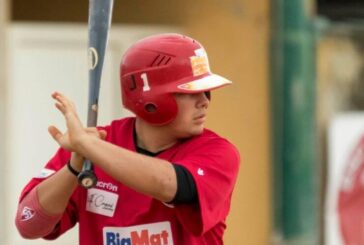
x=87, y=177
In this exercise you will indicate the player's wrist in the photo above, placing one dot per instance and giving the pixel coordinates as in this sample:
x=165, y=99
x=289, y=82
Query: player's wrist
x=72, y=169
x=77, y=161
x=80, y=145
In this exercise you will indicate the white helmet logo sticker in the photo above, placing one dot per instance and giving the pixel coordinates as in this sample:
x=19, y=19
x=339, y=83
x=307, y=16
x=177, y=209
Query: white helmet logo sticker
x=200, y=63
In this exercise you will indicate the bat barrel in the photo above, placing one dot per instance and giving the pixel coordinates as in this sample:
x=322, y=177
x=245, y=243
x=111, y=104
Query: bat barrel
x=100, y=13
x=99, y=24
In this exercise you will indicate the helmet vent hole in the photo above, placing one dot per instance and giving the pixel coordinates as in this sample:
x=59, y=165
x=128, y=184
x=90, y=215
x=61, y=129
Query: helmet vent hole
x=150, y=108
x=155, y=59
x=161, y=60
x=167, y=61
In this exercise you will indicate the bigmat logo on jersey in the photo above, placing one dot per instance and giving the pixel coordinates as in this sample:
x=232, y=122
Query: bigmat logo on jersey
x=148, y=234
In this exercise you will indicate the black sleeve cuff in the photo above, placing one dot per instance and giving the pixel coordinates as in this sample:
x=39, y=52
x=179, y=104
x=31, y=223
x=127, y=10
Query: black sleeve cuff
x=186, y=186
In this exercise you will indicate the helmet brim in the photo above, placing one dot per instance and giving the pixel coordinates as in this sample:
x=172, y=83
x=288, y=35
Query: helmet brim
x=206, y=83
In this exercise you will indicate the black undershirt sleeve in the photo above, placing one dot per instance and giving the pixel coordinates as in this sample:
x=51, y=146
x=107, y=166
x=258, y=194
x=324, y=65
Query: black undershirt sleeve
x=186, y=186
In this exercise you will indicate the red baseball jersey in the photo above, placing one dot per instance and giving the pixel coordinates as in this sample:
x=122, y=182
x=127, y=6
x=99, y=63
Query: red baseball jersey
x=113, y=214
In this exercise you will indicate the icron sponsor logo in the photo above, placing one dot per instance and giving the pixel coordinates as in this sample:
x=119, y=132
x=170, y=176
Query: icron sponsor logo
x=144, y=237
x=108, y=186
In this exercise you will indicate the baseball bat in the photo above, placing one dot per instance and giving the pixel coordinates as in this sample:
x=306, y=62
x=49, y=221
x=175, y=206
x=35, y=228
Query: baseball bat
x=99, y=20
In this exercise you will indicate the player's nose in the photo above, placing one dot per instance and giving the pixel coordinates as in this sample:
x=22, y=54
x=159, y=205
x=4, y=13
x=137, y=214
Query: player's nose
x=203, y=100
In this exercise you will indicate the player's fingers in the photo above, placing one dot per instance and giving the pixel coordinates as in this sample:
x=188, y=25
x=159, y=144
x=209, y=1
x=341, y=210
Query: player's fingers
x=99, y=133
x=60, y=107
x=57, y=94
x=65, y=106
x=92, y=130
x=54, y=95
x=58, y=97
x=103, y=134
x=55, y=133
x=62, y=99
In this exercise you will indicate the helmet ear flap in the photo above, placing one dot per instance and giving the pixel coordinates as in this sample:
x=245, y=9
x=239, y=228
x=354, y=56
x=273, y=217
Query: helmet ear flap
x=158, y=110
x=155, y=106
x=150, y=107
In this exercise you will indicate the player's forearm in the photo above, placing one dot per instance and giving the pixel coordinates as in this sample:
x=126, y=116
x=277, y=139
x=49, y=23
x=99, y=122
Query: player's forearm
x=151, y=176
x=54, y=193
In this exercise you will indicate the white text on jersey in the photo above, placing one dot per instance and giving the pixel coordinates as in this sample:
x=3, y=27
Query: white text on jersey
x=108, y=186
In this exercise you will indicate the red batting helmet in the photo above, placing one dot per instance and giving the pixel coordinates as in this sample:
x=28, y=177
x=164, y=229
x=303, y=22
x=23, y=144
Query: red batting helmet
x=156, y=67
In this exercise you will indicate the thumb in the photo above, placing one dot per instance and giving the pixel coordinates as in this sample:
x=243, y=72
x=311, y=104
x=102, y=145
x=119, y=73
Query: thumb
x=102, y=134
x=55, y=133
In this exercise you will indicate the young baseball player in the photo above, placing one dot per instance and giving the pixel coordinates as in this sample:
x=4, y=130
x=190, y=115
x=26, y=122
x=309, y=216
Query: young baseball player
x=163, y=178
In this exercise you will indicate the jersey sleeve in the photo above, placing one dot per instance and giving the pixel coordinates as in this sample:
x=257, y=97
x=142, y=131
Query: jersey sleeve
x=214, y=167
x=69, y=218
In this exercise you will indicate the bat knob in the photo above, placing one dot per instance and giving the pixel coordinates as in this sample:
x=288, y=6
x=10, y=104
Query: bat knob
x=87, y=179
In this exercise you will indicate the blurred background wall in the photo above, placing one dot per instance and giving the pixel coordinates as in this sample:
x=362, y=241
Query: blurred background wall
x=235, y=34
x=340, y=107
x=4, y=14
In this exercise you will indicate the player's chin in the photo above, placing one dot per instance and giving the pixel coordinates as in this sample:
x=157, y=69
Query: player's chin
x=197, y=130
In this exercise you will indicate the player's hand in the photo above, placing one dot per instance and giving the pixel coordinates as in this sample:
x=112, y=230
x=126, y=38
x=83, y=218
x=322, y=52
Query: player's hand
x=63, y=139
x=76, y=132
